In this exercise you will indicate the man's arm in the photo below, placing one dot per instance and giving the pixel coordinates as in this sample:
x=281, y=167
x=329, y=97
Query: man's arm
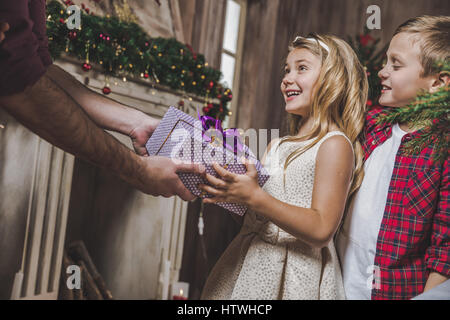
x=48, y=111
x=107, y=113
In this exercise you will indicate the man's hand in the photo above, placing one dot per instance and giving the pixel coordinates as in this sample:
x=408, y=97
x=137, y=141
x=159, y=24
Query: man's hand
x=141, y=133
x=4, y=26
x=107, y=113
x=159, y=177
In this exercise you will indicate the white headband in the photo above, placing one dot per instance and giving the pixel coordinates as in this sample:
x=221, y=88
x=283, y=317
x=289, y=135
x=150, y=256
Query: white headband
x=322, y=44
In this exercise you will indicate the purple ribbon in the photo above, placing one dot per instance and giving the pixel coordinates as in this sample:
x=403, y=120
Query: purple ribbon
x=209, y=122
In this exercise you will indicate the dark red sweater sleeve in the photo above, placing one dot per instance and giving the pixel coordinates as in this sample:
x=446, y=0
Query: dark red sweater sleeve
x=24, y=55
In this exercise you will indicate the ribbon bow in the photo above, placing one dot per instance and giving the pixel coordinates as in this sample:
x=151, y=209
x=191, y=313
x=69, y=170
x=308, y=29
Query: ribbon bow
x=209, y=122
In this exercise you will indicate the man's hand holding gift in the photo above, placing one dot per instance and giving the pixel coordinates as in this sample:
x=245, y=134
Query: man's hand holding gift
x=160, y=177
x=142, y=132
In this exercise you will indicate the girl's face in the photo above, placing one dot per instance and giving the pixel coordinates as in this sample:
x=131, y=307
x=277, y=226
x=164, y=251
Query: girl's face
x=401, y=76
x=302, y=70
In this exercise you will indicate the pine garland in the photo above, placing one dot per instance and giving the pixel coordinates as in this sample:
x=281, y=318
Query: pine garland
x=430, y=111
x=124, y=49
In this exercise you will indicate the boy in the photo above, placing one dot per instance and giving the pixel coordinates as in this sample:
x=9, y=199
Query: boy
x=395, y=240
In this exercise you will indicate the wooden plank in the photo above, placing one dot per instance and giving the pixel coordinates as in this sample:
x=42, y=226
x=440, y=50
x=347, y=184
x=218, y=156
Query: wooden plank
x=39, y=204
x=176, y=20
x=50, y=221
x=61, y=222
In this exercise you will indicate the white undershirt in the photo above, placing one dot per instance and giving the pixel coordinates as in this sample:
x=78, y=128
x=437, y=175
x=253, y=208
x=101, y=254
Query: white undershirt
x=356, y=243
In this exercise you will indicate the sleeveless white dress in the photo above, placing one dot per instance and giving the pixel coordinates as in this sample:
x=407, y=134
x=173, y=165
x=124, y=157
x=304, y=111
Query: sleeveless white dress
x=265, y=262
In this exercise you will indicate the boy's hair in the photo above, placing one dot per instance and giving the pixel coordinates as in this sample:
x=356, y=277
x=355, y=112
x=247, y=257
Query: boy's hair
x=433, y=36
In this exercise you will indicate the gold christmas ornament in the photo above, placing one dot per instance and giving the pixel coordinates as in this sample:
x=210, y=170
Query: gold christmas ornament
x=124, y=12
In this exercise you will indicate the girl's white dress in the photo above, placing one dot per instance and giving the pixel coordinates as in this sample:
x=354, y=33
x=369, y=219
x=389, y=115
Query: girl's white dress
x=265, y=262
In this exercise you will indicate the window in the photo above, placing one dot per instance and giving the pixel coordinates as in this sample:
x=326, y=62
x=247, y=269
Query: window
x=232, y=51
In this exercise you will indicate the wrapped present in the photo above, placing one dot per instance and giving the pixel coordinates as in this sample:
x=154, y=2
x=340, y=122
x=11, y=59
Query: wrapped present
x=180, y=136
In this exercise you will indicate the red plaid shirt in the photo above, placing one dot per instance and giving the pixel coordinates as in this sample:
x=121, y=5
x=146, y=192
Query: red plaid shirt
x=414, y=237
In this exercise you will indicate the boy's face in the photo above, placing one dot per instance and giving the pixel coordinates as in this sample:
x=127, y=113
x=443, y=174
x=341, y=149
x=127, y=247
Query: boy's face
x=401, y=76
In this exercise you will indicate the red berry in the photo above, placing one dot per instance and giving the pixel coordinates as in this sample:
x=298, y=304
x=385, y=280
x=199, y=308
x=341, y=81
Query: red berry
x=86, y=67
x=106, y=90
x=72, y=35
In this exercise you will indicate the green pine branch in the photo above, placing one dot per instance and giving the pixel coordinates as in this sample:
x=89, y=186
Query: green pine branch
x=430, y=111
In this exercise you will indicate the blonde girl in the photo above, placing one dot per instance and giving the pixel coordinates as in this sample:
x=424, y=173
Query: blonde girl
x=285, y=248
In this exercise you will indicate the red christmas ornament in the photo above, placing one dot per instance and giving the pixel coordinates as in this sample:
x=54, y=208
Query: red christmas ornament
x=181, y=103
x=206, y=110
x=87, y=10
x=72, y=35
x=106, y=90
x=86, y=67
x=146, y=75
x=61, y=20
x=211, y=85
x=369, y=103
x=364, y=39
x=219, y=96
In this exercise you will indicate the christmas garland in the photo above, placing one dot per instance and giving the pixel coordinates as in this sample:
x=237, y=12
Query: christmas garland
x=365, y=47
x=122, y=49
x=430, y=111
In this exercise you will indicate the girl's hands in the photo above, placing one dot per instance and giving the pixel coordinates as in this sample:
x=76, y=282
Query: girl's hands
x=231, y=187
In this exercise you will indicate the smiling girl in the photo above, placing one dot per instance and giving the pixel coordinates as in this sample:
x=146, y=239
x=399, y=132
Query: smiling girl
x=285, y=248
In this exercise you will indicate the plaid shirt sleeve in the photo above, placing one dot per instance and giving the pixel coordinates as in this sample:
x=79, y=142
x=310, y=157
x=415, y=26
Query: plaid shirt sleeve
x=438, y=254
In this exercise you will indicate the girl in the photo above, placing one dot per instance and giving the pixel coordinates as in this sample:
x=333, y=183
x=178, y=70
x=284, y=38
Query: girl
x=285, y=248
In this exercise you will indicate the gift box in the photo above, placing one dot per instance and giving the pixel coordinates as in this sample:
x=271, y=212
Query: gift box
x=180, y=136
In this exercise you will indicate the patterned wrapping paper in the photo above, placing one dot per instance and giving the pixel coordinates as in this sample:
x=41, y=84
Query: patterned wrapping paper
x=179, y=136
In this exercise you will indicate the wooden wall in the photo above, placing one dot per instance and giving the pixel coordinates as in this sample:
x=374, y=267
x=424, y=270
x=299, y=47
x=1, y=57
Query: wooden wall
x=202, y=22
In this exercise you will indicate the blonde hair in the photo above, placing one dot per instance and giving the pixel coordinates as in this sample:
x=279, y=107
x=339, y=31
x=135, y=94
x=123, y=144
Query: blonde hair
x=339, y=97
x=433, y=35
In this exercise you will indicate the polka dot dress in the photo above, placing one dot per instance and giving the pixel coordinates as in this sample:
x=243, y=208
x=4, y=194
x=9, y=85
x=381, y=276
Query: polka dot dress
x=264, y=261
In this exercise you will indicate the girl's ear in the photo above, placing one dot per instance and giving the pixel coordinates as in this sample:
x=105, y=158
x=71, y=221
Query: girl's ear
x=442, y=80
